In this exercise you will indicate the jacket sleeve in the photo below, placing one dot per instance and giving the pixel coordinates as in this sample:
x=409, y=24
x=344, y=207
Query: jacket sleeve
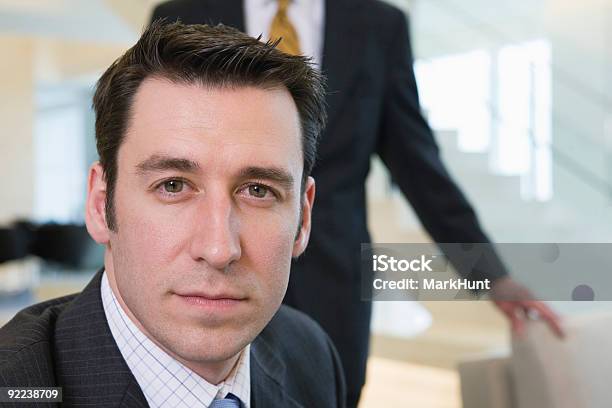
x=407, y=147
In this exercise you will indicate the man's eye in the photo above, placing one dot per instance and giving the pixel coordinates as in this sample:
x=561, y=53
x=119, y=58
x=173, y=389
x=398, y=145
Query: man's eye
x=258, y=191
x=173, y=186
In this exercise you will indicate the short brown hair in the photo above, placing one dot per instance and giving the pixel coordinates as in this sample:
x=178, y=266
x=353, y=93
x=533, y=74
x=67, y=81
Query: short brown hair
x=217, y=56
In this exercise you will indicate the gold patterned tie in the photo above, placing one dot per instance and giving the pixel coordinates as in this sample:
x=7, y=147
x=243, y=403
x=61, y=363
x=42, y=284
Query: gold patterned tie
x=281, y=27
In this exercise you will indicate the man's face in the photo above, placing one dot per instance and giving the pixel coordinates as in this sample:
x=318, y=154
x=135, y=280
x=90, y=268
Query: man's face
x=207, y=205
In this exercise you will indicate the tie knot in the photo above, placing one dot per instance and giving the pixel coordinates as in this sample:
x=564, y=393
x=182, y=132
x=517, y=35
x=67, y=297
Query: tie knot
x=283, y=5
x=231, y=401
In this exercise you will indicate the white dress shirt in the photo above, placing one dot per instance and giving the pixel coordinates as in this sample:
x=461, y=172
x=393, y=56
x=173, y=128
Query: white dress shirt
x=307, y=16
x=164, y=381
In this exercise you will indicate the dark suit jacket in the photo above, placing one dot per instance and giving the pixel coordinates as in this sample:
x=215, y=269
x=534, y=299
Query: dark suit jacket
x=373, y=108
x=66, y=342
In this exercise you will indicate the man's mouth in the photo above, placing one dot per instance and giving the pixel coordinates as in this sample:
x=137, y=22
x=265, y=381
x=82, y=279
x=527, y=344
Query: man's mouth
x=204, y=300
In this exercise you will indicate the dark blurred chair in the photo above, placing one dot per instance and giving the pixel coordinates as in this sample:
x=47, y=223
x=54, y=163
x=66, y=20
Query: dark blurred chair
x=15, y=242
x=67, y=244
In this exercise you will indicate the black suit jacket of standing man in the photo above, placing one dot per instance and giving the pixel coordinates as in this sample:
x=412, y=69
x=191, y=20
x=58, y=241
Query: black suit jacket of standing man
x=373, y=108
x=66, y=342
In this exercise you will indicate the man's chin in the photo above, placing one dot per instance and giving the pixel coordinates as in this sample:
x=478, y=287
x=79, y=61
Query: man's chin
x=214, y=346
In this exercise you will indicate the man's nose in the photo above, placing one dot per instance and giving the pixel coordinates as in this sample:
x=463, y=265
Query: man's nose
x=217, y=238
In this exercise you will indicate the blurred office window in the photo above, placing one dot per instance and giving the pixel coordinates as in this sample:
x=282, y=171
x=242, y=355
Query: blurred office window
x=454, y=91
x=524, y=100
x=61, y=137
x=498, y=102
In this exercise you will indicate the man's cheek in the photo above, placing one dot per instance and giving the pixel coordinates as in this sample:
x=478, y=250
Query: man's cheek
x=269, y=239
x=277, y=225
x=154, y=230
x=266, y=251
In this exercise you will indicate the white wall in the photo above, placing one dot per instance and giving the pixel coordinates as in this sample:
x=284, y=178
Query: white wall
x=16, y=134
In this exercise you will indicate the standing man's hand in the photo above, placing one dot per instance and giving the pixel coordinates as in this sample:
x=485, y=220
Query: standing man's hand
x=517, y=303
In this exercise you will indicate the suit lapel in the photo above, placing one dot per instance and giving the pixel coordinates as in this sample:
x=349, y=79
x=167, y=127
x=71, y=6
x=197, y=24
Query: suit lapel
x=268, y=373
x=342, y=38
x=89, y=365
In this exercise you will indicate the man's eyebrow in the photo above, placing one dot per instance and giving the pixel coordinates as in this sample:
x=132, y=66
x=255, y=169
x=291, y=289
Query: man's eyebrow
x=158, y=162
x=275, y=174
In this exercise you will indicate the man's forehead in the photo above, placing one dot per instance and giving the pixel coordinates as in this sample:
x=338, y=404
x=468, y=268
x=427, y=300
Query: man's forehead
x=187, y=120
x=185, y=105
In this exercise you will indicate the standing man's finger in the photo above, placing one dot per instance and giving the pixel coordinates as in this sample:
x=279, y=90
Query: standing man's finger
x=550, y=317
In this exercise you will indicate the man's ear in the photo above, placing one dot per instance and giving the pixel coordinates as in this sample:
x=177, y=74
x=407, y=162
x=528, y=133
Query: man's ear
x=95, y=213
x=304, y=232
